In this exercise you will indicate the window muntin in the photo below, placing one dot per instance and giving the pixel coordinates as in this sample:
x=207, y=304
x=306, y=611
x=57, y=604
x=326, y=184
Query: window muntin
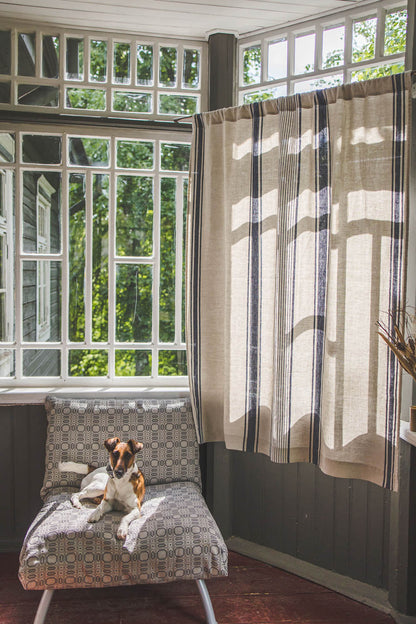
x=100, y=270
x=86, y=73
x=354, y=45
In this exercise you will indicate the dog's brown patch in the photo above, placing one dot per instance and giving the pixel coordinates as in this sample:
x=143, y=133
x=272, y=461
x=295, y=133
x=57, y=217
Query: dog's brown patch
x=137, y=481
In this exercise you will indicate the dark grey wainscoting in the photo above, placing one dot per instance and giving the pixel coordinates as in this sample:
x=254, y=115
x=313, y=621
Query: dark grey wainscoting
x=342, y=525
x=22, y=464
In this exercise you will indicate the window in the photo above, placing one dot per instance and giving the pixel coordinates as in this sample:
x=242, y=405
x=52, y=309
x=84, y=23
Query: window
x=99, y=284
x=349, y=46
x=60, y=72
x=7, y=154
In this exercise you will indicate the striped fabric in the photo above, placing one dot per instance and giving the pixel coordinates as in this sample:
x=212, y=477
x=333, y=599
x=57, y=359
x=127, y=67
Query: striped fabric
x=296, y=232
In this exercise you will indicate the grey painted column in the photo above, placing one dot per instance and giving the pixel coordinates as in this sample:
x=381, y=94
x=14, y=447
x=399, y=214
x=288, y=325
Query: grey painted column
x=222, y=70
x=222, y=90
x=402, y=563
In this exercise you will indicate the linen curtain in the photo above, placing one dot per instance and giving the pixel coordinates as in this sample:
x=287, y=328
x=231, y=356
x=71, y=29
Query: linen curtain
x=295, y=248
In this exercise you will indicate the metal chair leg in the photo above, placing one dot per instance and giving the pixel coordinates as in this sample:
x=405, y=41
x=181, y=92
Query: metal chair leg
x=209, y=611
x=43, y=606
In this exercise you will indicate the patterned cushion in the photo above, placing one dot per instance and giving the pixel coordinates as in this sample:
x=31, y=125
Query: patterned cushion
x=77, y=429
x=175, y=538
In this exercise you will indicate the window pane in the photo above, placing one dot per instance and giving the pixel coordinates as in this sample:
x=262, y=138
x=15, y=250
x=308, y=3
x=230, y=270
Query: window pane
x=131, y=363
x=7, y=365
x=41, y=212
x=377, y=72
x=134, y=220
x=7, y=147
x=305, y=53
x=333, y=47
x=395, y=32
x=26, y=54
x=87, y=363
x=37, y=95
x=101, y=185
x=277, y=66
x=88, y=152
x=41, y=296
x=5, y=52
x=37, y=148
x=178, y=104
x=5, y=92
x=74, y=58
x=144, y=74
x=76, y=204
x=167, y=259
x=185, y=204
x=98, y=60
x=41, y=362
x=364, y=39
x=132, y=102
x=172, y=363
x=265, y=94
x=121, y=69
x=3, y=263
x=174, y=156
x=191, y=61
x=135, y=154
x=168, y=59
x=252, y=65
x=88, y=99
x=324, y=82
x=50, y=56
x=134, y=303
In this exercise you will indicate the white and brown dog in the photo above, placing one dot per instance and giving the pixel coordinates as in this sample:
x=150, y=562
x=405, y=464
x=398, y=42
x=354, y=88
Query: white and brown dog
x=120, y=483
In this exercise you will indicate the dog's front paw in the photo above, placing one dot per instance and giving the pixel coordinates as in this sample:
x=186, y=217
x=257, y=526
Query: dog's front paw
x=95, y=516
x=121, y=532
x=75, y=501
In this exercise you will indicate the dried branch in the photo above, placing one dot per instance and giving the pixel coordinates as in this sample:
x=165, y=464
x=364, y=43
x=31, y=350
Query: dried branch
x=402, y=342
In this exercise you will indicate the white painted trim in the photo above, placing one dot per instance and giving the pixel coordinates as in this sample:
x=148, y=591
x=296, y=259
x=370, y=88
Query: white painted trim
x=36, y=396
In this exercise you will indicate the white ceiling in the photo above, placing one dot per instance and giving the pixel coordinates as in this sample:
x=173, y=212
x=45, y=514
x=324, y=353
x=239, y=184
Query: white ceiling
x=177, y=18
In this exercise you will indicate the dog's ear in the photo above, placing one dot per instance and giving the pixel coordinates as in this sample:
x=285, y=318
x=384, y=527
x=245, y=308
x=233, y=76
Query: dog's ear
x=111, y=444
x=134, y=446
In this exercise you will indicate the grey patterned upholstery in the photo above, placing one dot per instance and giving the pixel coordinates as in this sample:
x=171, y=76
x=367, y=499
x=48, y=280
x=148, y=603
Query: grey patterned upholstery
x=176, y=536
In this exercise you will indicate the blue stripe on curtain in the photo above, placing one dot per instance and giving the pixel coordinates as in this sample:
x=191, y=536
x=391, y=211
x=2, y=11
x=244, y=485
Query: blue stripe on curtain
x=322, y=207
x=254, y=293
x=396, y=269
x=194, y=338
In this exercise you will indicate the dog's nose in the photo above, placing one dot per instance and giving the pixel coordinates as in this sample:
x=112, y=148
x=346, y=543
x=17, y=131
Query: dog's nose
x=119, y=473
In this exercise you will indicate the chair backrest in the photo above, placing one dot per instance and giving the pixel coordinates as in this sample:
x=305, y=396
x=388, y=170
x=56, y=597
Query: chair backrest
x=78, y=427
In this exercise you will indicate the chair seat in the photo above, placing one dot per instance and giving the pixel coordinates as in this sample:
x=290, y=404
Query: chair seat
x=175, y=538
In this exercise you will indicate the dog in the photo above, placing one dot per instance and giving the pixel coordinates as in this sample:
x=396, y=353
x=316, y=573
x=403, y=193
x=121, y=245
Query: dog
x=119, y=485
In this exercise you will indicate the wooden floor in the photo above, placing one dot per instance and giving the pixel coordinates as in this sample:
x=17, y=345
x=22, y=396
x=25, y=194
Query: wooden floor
x=254, y=593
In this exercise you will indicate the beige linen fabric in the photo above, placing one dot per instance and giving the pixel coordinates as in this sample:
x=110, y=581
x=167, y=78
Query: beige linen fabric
x=296, y=247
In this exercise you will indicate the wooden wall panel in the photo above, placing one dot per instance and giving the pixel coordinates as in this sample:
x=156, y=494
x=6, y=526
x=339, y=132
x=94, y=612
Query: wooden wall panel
x=338, y=524
x=22, y=464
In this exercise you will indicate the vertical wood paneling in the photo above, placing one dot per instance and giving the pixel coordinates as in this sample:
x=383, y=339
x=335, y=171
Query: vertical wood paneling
x=22, y=464
x=338, y=524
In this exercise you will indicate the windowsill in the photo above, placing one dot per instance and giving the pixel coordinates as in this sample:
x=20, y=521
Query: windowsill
x=36, y=396
x=406, y=434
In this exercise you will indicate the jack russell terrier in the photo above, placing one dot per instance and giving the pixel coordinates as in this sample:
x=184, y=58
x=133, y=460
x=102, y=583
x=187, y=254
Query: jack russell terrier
x=120, y=483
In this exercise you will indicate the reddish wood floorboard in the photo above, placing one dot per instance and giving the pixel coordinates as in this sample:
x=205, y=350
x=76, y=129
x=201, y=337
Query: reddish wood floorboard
x=254, y=593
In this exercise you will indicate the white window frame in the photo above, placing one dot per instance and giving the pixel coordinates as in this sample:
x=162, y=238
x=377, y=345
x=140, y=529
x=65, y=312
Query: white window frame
x=318, y=25
x=44, y=193
x=18, y=345
x=7, y=240
x=107, y=87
